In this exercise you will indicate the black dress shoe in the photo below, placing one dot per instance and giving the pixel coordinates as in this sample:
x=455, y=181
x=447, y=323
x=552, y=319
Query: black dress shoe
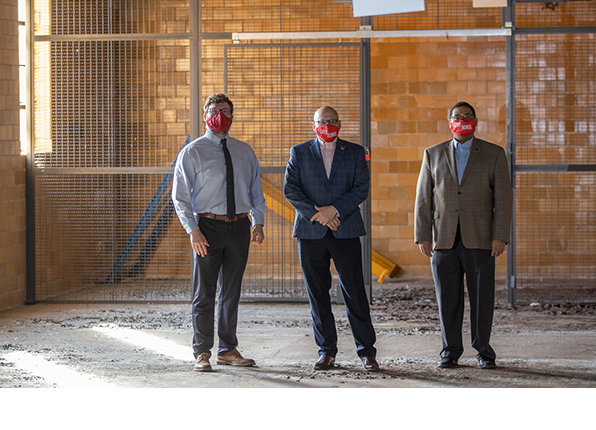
x=447, y=363
x=485, y=363
x=370, y=364
x=325, y=362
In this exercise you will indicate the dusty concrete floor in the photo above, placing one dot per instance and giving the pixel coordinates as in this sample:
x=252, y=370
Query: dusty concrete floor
x=147, y=346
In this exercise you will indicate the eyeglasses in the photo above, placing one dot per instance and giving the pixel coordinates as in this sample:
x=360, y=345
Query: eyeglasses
x=213, y=111
x=467, y=117
x=329, y=121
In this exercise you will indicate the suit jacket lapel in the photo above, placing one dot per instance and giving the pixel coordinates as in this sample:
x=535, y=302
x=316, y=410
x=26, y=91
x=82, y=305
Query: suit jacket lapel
x=450, y=156
x=474, y=152
x=337, y=156
x=316, y=153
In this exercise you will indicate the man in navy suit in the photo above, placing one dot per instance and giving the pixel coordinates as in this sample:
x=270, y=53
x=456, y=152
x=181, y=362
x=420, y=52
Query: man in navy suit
x=326, y=180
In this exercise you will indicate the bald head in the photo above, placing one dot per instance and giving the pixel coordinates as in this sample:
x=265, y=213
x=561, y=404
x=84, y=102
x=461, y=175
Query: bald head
x=326, y=115
x=325, y=112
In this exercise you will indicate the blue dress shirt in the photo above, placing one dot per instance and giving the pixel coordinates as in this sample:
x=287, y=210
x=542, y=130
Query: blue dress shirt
x=200, y=180
x=462, y=152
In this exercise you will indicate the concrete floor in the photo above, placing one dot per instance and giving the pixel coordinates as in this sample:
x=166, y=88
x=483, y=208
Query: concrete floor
x=96, y=348
x=102, y=342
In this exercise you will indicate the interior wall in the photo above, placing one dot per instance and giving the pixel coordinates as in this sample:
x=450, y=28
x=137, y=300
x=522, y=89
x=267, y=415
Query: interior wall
x=414, y=83
x=12, y=165
x=121, y=104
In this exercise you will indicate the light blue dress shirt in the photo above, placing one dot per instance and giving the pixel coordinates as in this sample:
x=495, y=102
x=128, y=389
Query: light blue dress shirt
x=200, y=180
x=462, y=152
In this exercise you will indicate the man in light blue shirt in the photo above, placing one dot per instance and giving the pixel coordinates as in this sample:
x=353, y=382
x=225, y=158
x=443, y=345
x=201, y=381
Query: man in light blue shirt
x=217, y=184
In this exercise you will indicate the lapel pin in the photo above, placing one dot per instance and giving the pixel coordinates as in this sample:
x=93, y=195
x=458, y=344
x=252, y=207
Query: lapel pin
x=342, y=147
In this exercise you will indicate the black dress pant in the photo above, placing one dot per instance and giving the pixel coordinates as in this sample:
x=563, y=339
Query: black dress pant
x=448, y=268
x=315, y=259
x=225, y=260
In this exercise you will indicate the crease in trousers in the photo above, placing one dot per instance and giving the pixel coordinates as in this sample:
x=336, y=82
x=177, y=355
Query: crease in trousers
x=315, y=259
x=224, y=264
x=448, y=268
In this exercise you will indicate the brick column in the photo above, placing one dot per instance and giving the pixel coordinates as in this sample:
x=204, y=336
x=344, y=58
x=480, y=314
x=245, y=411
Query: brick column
x=12, y=165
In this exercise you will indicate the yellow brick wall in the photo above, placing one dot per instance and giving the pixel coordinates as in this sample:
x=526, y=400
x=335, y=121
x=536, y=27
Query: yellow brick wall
x=414, y=83
x=12, y=166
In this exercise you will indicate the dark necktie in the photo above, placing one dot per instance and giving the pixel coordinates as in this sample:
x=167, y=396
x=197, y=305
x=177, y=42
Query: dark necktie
x=231, y=203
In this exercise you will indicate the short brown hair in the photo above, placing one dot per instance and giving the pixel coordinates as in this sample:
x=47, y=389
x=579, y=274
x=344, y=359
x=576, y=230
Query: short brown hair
x=218, y=98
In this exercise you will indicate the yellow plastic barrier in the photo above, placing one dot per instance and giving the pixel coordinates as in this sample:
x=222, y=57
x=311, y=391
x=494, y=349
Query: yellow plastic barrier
x=383, y=267
x=275, y=200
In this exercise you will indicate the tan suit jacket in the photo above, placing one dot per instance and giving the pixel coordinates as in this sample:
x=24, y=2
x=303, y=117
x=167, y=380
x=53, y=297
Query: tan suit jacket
x=482, y=203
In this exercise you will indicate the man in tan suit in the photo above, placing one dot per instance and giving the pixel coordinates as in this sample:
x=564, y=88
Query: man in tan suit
x=462, y=219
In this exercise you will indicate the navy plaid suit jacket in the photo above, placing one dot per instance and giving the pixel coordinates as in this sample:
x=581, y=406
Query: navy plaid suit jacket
x=306, y=185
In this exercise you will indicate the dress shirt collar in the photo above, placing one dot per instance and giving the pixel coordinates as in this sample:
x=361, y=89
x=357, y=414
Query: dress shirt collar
x=327, y=145
x=213, y=138
x=462, y=146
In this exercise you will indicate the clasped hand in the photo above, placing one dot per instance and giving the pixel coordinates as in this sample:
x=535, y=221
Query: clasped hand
x=327, y=216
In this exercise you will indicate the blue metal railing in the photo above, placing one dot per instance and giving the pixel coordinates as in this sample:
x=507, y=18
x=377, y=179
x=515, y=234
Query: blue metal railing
x=160, y=199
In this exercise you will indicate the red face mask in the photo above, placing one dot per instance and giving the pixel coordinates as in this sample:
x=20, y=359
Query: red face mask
x=463, y=127
x=218, y=122
x=327, y=132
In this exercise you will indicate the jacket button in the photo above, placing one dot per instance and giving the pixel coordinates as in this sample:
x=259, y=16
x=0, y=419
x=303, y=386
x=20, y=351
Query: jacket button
x=459, y=192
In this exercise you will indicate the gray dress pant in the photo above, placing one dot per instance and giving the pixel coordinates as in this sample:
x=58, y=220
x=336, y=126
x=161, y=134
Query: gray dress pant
x=448, y=268
x=225, y=260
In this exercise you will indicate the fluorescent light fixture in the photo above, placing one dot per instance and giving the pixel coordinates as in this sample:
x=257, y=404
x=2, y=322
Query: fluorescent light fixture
x=489, y=3
x=386, y=7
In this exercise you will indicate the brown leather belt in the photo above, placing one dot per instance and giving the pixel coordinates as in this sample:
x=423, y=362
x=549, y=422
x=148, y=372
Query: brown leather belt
x=238, y=217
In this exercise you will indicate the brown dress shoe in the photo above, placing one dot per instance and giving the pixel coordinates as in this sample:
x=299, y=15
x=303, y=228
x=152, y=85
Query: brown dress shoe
x=233, y=358
x=370, y=364
x=202, y=363
x=325, y=362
